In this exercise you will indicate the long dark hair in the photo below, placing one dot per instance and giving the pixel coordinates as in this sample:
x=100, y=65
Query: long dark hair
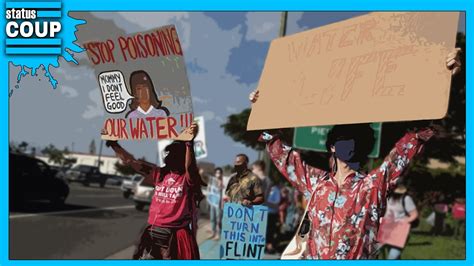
x=141, y=77
x=175, y=159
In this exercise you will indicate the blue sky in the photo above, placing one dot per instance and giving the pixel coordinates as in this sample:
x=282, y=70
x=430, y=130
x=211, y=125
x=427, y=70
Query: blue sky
x=224, y=52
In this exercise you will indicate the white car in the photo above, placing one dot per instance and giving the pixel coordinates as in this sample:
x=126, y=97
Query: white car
x=143, y=194
x=129, y=184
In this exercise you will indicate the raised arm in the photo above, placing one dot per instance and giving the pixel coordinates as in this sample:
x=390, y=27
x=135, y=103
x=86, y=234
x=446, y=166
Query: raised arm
x=192, y=172
x=288, y=161
x=388, y=173
x=146, y=169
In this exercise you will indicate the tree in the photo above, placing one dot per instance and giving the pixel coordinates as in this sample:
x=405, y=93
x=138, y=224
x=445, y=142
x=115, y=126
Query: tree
x=23, y=146
x=125, y=169
x=58, y=156
x=67, y=161
x=444, y=147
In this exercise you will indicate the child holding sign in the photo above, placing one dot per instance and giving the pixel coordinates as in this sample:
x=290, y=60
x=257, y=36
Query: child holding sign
x=171, y=230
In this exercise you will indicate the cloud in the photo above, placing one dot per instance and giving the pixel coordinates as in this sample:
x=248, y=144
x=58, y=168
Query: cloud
x=150, y=20
x=292, y=25
x=208, y=115
x=231, y=109
x=69, y=92
x=238, y=145
x=199, y=100
x=95, y=110
x=262, y=26
x=227, y=20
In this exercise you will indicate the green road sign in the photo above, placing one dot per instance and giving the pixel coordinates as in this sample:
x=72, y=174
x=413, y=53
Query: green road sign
x=314, y=138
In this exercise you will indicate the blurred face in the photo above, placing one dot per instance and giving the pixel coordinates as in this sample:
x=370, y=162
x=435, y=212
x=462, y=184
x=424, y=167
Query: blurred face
x=218, y=174
x=256, y=169
x=345, y=149
x=142, y=93
x=240, y=164
x=175, y=158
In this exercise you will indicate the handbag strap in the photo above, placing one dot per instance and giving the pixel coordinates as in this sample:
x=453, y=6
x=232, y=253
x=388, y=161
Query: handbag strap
x=305, y=211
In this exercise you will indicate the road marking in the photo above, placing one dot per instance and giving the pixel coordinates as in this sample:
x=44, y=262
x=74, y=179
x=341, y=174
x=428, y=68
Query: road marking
x=15, y=216
x=97, y=196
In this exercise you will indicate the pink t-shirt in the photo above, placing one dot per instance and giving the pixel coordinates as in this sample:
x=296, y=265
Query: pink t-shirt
x=171, y=204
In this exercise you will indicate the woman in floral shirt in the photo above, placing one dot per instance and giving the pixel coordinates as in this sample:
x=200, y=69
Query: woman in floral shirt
x=347, y=203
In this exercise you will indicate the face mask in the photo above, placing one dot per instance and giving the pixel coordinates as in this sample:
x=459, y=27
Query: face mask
x=239, y=168
x=345, y=151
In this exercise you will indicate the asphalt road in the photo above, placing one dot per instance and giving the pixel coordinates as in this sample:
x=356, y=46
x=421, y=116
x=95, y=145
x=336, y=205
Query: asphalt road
x=93, y=224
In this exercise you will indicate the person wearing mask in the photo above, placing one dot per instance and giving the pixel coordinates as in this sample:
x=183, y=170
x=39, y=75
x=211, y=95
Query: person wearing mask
x=244, y=187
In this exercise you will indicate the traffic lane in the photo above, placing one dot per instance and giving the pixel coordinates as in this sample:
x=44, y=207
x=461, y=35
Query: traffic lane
x=80, y=197
x=96, y=196
x=84, y=234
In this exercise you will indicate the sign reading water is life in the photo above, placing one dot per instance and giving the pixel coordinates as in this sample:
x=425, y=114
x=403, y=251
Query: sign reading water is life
x=243, y=231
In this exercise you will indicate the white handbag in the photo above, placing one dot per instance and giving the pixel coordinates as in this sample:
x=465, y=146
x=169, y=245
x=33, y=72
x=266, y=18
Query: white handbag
x=297, y=246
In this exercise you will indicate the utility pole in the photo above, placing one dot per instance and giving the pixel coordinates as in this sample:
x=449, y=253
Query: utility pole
x=283, y=19
x=262, y=155
x=100, y=154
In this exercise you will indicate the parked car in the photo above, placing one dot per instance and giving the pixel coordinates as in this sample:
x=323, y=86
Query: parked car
x=143, y=194
x=32, y=179
x=129, y=184
x=60, y=172
x=114, y=180
x=86, y=175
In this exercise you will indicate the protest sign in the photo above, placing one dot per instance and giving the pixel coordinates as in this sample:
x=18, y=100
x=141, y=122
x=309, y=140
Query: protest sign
x=373, y=68
x=393, y=233
x=200, y=147
x=143, y=82
x=214, y=194
x=243, y=231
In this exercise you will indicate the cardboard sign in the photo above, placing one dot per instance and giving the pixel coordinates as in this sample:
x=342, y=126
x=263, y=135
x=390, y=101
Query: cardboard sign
x=144, y=87
x=384, y=66
x=393, y=233
x=243, y=231
x=314, y=138
x=200, y=147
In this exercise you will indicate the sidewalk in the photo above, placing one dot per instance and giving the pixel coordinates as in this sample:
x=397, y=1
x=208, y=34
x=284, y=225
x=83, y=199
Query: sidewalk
x=209, y=249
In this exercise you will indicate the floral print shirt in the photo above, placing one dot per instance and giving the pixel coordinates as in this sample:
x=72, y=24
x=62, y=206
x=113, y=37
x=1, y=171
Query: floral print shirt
x=245, y=186
x=345, y=218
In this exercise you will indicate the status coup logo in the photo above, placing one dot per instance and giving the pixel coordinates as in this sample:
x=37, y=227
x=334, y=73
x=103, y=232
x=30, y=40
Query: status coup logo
x=33, y=27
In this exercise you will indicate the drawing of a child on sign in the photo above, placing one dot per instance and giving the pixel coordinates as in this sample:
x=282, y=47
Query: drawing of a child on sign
x=145, y=102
